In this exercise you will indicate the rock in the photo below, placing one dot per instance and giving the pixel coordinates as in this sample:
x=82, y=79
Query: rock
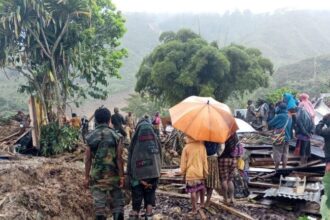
x=175, y=210
x=160, y=217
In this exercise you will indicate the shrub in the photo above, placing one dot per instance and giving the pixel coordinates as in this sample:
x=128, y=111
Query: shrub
x=56, y=140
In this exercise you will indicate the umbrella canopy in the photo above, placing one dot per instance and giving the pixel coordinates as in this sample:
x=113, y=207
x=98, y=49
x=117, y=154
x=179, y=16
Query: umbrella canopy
x=204, y=119
x=243, y=126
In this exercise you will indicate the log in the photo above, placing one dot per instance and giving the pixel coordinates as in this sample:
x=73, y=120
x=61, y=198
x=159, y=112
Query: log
x=217, y=204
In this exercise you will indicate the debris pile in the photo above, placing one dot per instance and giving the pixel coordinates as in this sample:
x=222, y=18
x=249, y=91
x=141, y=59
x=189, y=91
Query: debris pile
x=9, y=134
x=41, y=188
x=172, y=146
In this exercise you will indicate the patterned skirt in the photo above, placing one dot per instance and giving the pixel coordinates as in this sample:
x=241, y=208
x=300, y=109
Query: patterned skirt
x=194, y=186
x=227, y=167
x=213, y=179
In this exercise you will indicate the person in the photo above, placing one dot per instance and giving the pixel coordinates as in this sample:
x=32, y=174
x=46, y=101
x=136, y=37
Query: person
x=20, y=116
x=282, y=120
x=272, y=112
x=194, y=168
x=156, y=123
x=84, y=127
x=169, y=128
x=213, y=179
x=290, y=101
x=263, y=113
x=303, y=126
x=323, y=129
x=104, y=171
x=307, y=105
x=144, y=166
x=75, y=121
x=250, y=114
x=130, y=124
x=118, y=121
x=227, y=165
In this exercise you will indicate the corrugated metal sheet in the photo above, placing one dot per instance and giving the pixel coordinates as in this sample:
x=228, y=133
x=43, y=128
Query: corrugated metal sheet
x=312, y=193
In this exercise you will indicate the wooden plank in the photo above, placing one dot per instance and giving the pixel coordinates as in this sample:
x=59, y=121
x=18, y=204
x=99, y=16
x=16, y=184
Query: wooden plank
x=231, y=210
x=10, y=136
x=315, y=162
x=257, y=170
x=262, y=185
x=215, y=203
x=302, y=174
x=22, y=135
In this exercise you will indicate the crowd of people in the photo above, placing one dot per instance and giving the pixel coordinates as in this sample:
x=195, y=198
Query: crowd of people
x=205, y=166
x=288, y=118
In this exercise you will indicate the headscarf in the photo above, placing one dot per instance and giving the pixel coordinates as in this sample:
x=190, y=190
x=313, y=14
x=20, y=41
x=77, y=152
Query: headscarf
x=306, y=104
x=290, y=101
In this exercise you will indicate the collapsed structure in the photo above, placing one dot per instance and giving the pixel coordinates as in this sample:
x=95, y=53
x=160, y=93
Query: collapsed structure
x=51, y=188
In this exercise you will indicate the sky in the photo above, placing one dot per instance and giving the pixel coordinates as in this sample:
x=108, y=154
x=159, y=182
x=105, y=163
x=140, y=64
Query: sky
x=219, y=6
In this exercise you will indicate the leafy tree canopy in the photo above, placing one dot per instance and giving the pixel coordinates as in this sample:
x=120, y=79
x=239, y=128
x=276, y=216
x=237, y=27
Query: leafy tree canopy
x=66, y=49
x=140, y=106
x=277, y=95
x=184, y=64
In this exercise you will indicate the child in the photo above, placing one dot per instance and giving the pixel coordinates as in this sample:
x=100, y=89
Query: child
x=194, y=167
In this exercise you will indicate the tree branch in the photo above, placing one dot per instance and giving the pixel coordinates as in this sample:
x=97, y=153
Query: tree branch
x=45, y=39
x=59, y=38
x=40, y=44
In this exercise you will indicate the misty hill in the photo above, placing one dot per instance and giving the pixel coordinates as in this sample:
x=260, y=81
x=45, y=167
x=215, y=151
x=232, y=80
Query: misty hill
x=310, y=75
x=285, y=37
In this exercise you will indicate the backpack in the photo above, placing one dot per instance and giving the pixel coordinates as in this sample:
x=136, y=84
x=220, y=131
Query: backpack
x=240, y=184
x=211, y=148
x=106, y=148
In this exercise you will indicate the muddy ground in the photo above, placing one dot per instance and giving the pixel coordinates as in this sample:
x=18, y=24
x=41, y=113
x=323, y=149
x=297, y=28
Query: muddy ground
x=42, y=188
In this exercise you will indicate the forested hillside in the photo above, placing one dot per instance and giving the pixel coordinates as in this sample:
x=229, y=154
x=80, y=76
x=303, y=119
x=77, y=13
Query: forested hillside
x=311, y=75
x=285, y=37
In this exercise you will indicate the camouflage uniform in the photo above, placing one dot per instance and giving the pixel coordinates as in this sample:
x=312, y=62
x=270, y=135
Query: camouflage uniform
x=105, y=179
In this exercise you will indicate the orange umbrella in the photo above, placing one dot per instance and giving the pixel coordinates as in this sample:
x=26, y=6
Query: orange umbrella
x=204, y=119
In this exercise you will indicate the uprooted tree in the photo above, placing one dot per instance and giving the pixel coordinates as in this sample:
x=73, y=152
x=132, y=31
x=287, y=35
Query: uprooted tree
x=66, y=49
x=184, y=64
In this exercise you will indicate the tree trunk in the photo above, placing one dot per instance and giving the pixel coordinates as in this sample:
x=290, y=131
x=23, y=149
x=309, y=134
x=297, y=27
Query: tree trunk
x=60, y=110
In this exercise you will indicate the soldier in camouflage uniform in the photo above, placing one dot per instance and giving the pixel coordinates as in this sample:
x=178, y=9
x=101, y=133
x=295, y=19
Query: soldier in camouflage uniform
x=104, y=171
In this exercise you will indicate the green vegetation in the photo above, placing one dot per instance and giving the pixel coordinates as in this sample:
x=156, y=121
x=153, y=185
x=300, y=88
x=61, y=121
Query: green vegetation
x=285, y=37
x=185, y=64
x=277, y=95
x=56, y=140
x=325, y=203
x=142, y=105
x=66, y=50
x=310, y=75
